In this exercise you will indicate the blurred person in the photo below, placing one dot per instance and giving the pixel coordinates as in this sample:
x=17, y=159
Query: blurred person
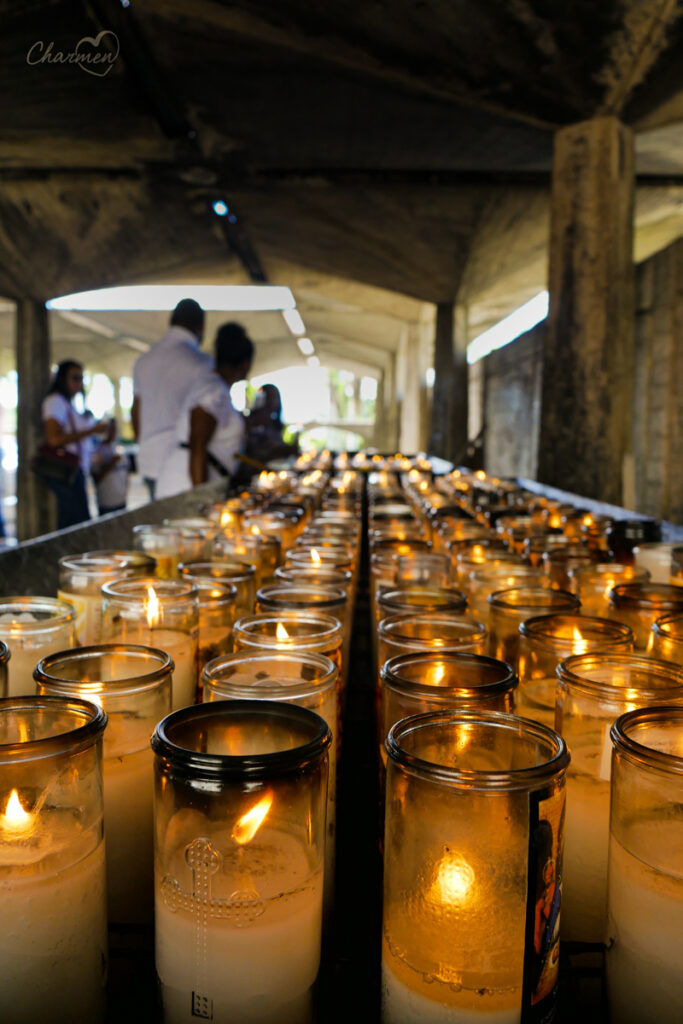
x=162, y=379
x=109, y=468
x=65, y=428
x=265, y=427
x=208, y=424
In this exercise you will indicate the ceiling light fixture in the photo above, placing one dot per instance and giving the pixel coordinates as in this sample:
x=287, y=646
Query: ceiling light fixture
x=306, y=346
x=229, y=298
x=293, y=320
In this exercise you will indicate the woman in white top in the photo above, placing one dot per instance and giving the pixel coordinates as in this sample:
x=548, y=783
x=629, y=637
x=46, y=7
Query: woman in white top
x=65, y=428
x=210, y=432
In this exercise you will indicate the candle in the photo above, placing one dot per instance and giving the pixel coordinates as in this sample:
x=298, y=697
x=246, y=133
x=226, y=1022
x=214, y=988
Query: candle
x=238, y=574
x=656, y=559
x=308, y=680
x=463, y=884
x=33, y=627
x=544, y=641
x=593, y=584
x=216, y=618
x=53, y=940
x=666, y=638
x=164, y=543
x=133, y=685
x=645, y=901
x=80, y=584
x=312, y=632
x=161, y=614
x=592, y=690
x=239, y=876
x=641, y=604
x=509, y=608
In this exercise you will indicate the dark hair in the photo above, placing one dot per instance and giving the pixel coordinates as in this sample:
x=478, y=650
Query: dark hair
x=59, y=385
x=233, y=345
x=189, y=314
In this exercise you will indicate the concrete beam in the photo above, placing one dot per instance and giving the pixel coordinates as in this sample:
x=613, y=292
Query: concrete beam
x=449, y=418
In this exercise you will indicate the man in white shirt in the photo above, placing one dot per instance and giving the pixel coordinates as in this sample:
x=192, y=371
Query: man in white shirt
x=162, y=379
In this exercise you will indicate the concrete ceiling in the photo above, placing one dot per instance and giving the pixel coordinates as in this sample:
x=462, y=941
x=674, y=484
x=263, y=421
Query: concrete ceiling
x=378, y=156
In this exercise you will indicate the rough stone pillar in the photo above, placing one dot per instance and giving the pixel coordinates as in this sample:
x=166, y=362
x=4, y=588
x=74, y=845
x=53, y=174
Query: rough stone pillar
x=448, y=432
x=588, y=350
x=410, y=406
x=36, y=512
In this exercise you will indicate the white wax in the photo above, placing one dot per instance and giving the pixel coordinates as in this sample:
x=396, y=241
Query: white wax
x=53, y=943
x=128, y=826
x=258, y=971
x=586, y=839
x=88, y=616
x=403, y=1005
x=182, y=647
x=645, y=926
x=26, y=653
x=656, y=558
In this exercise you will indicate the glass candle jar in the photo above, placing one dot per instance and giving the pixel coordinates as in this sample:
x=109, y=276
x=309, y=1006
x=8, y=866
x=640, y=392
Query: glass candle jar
x=645, y=894
x=241, y=575
x=666, y=639
x=627, y=534
x=311, y=632
x=641, y=604
x=240, y=547
x=312, y=576
x=196, y=537
x=508, y=609
x=133, y=685
x=216, y=603
x=438, y=681
x=163, y=543
x=422, y=569
x=81, y=578
x=308, y=680
x=293, y=597
x=560, y=563
x=472, y=868
x=430, y=631
x=419, y=600
x=161, y=614
x=4, y=659
x=241, y=789
x=592, y=691
x=487, y=579
x=656, y=559
x=53, y=914
x=545, y=640
x=593, y=584
x=33, y=627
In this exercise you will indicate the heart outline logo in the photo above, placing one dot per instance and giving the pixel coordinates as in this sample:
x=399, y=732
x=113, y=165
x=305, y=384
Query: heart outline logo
x=109, y=59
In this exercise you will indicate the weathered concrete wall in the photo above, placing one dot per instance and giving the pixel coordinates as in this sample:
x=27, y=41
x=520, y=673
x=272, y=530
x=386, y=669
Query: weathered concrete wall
x=658, y=391
x=512, y=398
x=512, y=382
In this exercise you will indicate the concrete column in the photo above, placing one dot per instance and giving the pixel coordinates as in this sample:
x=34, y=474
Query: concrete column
x=36, y=512
x=448, y=432
x=410, y=407
x=389, y=397
x=588, y=350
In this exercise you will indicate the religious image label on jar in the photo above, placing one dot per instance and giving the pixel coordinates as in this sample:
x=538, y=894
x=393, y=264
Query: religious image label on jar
x=544, y=894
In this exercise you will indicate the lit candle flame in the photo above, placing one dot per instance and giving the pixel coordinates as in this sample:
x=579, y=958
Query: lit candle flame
x=454, y=880
x=16, y=820
x=281, y=633
x=152, y=608
x=256, y=532
x=579, y=645
x=315, y=556
x=226, y=518
x=249, y=824
x=439, y=673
